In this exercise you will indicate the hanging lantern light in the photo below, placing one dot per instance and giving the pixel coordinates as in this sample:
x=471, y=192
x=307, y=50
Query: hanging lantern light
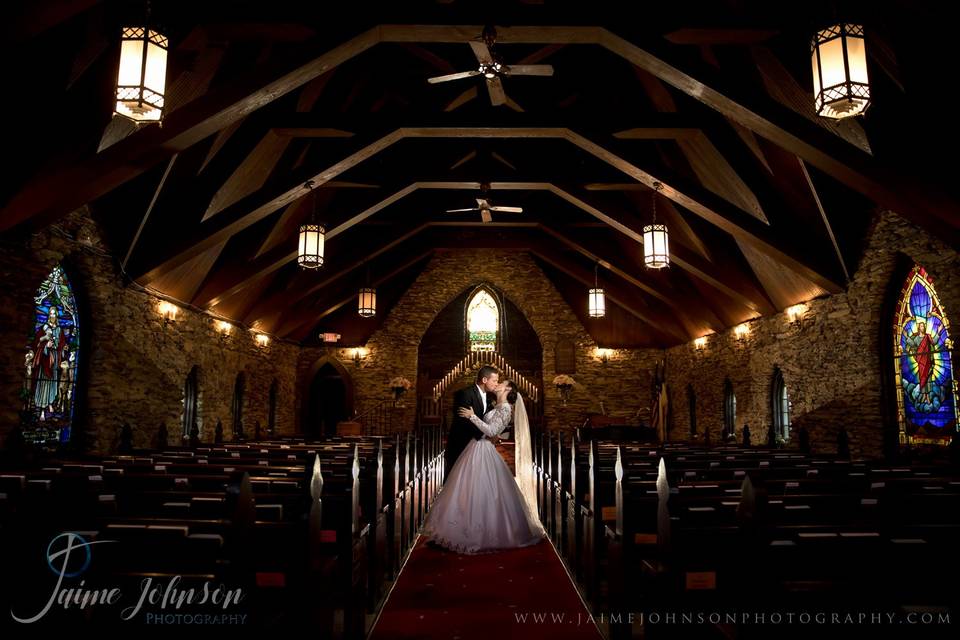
x=596, y=300
x=310, y=247
x=367, y=302
x=367, y=299
x=841, y=88
x=656, y=242
x=142, y=73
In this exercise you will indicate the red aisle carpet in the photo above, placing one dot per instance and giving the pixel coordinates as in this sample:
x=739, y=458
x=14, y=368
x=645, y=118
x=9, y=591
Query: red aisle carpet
x=515, y=593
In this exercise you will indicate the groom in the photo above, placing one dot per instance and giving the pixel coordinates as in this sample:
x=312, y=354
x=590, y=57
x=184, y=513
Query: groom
x=479, y=396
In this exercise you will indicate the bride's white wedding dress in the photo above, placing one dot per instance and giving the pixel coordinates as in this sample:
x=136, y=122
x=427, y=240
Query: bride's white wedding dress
x=481, y=507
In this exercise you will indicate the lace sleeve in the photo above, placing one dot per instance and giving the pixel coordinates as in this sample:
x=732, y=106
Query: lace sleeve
x=498, y=419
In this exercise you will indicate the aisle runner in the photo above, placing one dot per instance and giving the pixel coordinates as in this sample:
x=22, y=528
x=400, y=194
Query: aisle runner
x=516, y=593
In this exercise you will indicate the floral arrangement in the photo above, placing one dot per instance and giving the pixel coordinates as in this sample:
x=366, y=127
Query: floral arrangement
x=400, y=383
x=563, y=380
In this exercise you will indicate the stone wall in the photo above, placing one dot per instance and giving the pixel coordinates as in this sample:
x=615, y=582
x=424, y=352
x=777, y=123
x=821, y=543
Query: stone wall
x=623, y=383
x=133, y=365
x=831, y=364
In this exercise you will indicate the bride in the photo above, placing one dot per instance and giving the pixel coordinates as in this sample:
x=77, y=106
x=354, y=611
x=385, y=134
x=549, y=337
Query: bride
x=482, y=507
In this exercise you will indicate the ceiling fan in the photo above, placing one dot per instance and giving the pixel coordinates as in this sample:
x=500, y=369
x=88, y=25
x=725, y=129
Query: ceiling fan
x=484, y=206
x=492, y=67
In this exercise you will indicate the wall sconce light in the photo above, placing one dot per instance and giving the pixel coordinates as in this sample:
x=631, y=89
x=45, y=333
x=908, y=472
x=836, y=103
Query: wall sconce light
x=359, y=354
x=603, y=354
x=168, y=310
x=262, y=339
x=223, y=327
x=741, y=331
x=795, y=315
x=700, y=343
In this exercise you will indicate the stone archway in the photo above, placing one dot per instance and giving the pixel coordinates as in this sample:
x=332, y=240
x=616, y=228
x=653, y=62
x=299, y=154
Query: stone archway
x=327, y=394
x=394, y=347
x=447, y=339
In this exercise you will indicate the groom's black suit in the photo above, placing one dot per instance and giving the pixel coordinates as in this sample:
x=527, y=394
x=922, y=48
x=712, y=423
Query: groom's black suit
x=461, y=429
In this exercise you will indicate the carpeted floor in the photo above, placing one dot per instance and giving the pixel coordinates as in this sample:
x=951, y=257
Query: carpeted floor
x=515, y=593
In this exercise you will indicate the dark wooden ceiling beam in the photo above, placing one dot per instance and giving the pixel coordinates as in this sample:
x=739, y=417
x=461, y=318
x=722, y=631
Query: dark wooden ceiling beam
x=919, y=202
x=613, y=292
x=825, y=218
x=712, y=273
x=686, y=314
x=265, y=201
x=57, y=193
x=291, y=325
x=300, y=289
x=743, y=226
x=228, y=282
x=720, y=213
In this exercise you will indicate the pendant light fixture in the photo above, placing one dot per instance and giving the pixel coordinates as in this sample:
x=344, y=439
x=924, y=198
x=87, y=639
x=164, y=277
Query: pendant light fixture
x=656, y=242
x=367, y=299
x=141, y=73
x=841, y=88
x=596, y=300
x=310, y=246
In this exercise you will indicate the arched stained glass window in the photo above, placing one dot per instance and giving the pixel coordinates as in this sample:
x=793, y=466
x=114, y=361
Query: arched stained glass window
x=272, y=414
x=926, y=390
x=781, y=405
x=729, y=409
x=191, y=401
x=50, y=363
x=692, y=408
x=239, y=389
x=483, y=321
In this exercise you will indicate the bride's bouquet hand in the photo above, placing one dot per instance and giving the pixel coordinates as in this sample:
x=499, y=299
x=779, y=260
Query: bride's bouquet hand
x=466, y=412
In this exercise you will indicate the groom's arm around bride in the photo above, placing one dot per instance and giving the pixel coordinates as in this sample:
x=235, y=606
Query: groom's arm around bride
x=462, y=431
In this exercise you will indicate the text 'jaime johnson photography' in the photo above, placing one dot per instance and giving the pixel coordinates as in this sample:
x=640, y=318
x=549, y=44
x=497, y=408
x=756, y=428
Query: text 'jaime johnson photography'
x=166, y=600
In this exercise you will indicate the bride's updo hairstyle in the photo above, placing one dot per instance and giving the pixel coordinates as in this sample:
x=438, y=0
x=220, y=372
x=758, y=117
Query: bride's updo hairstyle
x=512, y=396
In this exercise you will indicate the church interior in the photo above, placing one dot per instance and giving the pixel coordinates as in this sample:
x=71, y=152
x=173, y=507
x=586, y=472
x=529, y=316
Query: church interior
x=250, y=252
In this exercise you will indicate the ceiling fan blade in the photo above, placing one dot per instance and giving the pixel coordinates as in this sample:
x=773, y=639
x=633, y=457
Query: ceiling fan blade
x=482, y=52
x=507, y=209
x=453, y=76
x=462, y=210
x=529, y=70
x=497, y=95
x=482, y=204
x=485, y=215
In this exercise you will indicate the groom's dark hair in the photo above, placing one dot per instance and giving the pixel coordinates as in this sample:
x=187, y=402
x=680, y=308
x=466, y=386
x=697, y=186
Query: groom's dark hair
x=485, y=372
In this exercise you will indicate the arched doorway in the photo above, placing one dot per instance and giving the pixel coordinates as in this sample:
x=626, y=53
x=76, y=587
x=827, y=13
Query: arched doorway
x=328, y=399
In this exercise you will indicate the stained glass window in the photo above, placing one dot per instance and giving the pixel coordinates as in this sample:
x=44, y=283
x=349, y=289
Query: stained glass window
x=692, y=408
x=272, y=414
x=50, y=362
x=483, y=321
x=191, y=401
x=239, y=388
x=926, y=390
x=781, y=405
x=729, y=409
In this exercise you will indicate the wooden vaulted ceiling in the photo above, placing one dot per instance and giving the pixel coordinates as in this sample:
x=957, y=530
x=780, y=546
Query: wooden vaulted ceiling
x=767, y=204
